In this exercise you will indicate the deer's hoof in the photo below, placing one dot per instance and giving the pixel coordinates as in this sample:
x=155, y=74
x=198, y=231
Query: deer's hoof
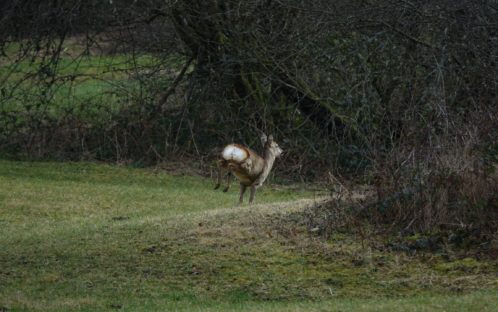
x=217, y=186
x=226, y=189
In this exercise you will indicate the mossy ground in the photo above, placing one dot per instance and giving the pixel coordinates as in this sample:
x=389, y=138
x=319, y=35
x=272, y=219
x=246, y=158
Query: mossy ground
x=79, y=236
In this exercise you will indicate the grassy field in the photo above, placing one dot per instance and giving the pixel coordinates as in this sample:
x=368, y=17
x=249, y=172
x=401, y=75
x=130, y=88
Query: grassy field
x=79, y=236
x=87, y=86
x=84, y=80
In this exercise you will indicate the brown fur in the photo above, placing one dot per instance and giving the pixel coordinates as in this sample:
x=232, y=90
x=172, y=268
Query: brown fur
x=252, y=171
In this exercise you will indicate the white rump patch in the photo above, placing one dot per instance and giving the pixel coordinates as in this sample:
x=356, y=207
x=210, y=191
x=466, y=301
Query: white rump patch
x=232, y=152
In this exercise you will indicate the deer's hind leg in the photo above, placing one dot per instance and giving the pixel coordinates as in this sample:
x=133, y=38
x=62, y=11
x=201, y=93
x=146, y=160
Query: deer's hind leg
x=253, y=193
x=241, y=194
x=229, y=180
x=221, y=169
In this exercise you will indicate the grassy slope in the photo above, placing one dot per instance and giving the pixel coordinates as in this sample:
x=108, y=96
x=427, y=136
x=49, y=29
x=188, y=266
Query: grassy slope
x=86, y=236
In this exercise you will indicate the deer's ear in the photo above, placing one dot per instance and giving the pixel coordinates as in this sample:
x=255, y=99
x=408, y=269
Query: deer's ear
x=270, y=138
x=263, y=139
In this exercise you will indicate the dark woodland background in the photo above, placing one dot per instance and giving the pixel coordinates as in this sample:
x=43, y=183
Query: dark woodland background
x=397, y=94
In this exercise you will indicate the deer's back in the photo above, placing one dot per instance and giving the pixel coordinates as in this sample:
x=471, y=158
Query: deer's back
x=245, y=163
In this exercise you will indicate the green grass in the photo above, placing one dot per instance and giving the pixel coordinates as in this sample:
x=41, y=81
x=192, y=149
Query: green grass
x=80, y=236
x=59, y=193
x=104, y=66
x=478, y=301
x=83, y=84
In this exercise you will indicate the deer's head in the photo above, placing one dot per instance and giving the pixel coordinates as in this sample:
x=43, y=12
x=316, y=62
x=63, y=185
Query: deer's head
x=271, y=146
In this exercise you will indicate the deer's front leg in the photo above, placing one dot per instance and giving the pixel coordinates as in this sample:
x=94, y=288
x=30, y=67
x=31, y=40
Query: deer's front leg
x=242, y=191
x=253, y=193
x=229, y=180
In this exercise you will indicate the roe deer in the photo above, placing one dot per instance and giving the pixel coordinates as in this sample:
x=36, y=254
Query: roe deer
x=250, y=168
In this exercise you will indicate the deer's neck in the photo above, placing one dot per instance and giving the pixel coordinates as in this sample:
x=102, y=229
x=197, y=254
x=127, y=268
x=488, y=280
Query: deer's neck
x=269, y=158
